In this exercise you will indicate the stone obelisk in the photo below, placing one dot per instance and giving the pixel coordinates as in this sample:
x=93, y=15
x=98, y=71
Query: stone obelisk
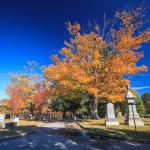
x=133, y=117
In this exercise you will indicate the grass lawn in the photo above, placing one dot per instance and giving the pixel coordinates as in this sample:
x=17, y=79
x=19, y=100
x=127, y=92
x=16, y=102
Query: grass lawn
x=23, y=127
x=121, y=131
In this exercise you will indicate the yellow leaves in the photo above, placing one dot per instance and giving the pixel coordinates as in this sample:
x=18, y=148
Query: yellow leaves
x=73, y=29
x=68, y=84
x=98, y=66
x=51, y=72
x=22, y=91
x=126, y=41
x=55, y=59
x=66, y=52
x=86, y=43
x=15, y=104
x=116, y=98
x=128, y=17
x=92, y=90
x=82, y=79
x=144, y=36
x=96, y=58
x=85, y=68
x=125, y=64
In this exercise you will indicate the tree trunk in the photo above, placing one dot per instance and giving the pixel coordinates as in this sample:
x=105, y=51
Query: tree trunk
x=64, y=115
x=94, y=110
x=32, y=111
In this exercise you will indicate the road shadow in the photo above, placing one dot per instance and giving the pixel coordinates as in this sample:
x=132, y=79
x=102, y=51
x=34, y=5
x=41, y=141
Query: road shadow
x=46, y=138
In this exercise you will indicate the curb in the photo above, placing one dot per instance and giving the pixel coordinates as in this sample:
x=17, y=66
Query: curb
x=106, y=137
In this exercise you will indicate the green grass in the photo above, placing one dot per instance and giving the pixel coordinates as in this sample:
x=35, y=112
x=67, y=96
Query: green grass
x=121, y=131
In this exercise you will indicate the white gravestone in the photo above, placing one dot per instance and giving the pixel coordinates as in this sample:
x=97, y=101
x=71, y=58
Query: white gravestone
x=111, y=119
x=1, y=120
x=132, y=115
x=16, y=120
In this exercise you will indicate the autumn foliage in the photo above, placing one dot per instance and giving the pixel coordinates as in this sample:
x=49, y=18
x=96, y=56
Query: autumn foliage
x=40, y=98
x=97, y=65
x=90, y=63
x=15, y=104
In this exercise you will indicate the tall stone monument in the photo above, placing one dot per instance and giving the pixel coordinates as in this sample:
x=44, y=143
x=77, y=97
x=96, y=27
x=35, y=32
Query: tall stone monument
x=133, y=117
x=111, y=120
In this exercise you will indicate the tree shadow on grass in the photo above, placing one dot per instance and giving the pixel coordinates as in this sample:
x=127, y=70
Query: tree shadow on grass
x=106, y=133
x=132, y=134
x=16, y=131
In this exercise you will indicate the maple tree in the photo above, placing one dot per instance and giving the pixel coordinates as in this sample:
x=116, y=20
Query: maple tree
x=15, y=104
x=19, y=91
x=41, y=96
x=21, y=86
x=97, y=65
x=30, y=87
x=3, y=105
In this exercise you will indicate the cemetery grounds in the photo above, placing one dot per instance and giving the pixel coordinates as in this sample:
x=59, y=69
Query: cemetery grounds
x=123, y=131
x=96, y=127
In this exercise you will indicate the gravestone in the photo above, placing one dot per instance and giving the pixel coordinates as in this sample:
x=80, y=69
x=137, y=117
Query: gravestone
x=111, y=119
x=2, y=118
x=133, y=117
x=1, y=121
x=7, y=116
x=10, y=125
x=16, y=120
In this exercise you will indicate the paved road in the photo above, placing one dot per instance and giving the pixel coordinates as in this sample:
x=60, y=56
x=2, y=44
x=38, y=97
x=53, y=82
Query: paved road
x=49, y=139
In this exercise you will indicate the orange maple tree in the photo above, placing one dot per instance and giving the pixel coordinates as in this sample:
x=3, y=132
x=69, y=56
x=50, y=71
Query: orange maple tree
x=40, y=98
x=15, y=104
x=96, y=65
x=20, y=87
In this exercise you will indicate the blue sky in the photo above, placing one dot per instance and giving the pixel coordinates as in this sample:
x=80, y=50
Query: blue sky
x=35, y=29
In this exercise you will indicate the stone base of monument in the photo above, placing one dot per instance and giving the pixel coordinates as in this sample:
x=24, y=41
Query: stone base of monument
x=112, y=122
x=138, y=122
